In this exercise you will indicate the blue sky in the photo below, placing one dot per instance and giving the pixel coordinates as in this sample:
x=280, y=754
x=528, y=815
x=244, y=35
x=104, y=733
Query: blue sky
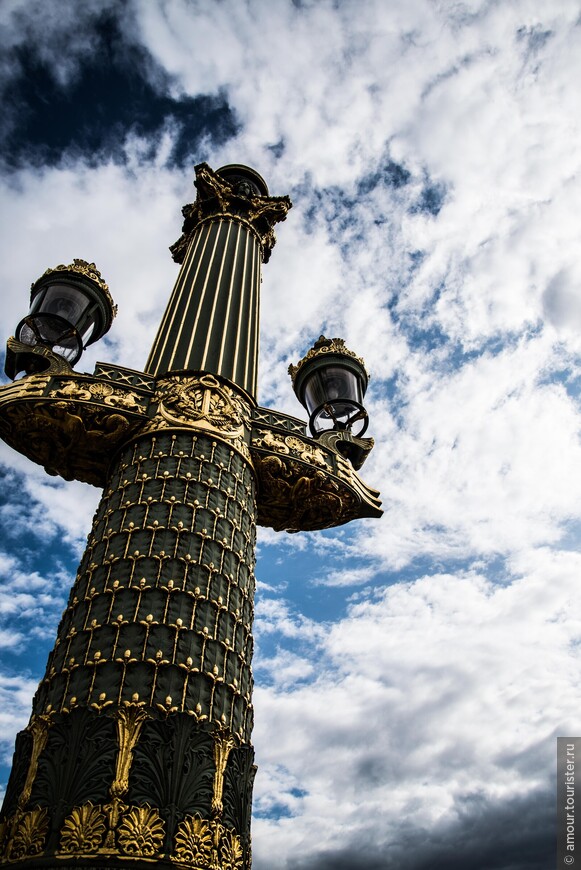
x=412, y=673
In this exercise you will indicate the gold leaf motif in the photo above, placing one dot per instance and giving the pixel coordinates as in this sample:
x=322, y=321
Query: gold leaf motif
x=194, y=841
x=223, y=745
x=129, y=724
x=141, y=832
x=230, y=851
x=83, y=830
x=38, y=728
x=30, y=834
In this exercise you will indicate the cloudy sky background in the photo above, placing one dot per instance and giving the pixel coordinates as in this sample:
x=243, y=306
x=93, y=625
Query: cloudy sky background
x=412, y=673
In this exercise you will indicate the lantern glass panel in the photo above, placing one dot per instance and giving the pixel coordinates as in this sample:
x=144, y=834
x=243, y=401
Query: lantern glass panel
x=65, y=301
x=332, y=383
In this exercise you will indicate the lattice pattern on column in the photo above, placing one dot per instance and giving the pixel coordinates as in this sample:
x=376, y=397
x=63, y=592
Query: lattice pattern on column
x=162, y=608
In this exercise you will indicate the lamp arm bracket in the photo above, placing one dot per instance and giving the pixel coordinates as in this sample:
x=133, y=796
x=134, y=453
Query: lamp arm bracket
x=306, y=484
x=70, y=423
x=42, y=359
x=355, y=449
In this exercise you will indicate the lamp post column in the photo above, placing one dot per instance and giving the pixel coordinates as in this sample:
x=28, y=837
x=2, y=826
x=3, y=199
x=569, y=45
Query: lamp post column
x=139, y=743
x=138, y=749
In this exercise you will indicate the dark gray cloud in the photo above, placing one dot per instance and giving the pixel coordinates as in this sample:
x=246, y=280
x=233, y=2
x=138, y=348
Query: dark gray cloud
x=111, y=90
x=514, y=834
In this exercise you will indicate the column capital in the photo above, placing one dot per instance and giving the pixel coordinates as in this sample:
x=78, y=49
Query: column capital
x=234, y=199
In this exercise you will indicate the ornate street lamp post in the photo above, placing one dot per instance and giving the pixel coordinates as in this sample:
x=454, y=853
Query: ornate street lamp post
x=138, y=748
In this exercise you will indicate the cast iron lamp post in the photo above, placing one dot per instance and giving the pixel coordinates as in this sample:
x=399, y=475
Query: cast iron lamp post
x=138, y=749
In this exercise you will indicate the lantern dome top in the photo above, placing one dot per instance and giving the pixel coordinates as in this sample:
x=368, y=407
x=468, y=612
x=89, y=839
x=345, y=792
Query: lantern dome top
x=80, y=269
x=325, y=347
x=235, y=173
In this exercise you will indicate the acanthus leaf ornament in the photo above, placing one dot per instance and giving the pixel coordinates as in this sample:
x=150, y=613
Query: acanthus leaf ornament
x=194, y=842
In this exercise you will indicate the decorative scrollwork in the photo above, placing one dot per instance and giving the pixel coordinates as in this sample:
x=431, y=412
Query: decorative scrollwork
x=296, y=497
x=45, y=360
x=67, y=438
x=291, y=445
x=89, y=390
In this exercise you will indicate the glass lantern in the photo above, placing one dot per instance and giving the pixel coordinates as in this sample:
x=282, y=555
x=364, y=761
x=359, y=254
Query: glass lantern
x=330, y=382
x=70, y=308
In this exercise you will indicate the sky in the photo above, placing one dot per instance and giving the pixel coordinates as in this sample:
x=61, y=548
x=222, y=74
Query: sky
x=412, y=673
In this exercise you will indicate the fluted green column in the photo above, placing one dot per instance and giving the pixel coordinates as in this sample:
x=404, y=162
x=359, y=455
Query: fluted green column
x=211, y=323
x=212, y=320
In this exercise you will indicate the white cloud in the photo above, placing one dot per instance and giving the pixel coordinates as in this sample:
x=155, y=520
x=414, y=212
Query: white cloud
x=430, y=691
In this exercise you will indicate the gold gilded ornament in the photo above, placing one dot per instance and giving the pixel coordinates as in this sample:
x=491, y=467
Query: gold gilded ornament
x=30, y=834
x=267, y=439
x=38, y=729
x=88, y=270
x=322, y=347
x=130, y=721
x=223, y=745
x=193, y=842
x=141, y=832
x=231, y=853
x=204, y=403
x=49, y=363
x=83, y=830
x=296, y=497
x=218, y=200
